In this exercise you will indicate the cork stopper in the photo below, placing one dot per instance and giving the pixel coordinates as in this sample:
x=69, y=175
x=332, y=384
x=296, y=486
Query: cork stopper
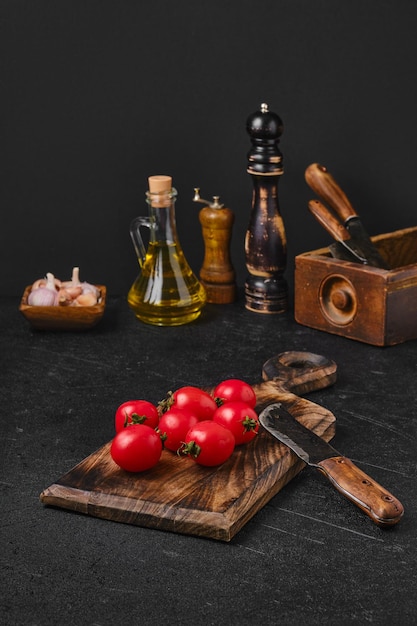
x=160, y=183
x=160, y=191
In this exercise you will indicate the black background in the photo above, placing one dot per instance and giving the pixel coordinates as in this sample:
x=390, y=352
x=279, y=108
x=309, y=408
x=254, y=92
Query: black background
x=98, y=95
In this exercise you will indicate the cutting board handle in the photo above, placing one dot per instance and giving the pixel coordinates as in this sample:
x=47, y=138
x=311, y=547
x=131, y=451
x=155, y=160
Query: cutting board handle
x=299, y=372
x=292, y=374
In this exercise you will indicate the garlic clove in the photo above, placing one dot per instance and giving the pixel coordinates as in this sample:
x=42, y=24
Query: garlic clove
x=86, y=299
x=74, y=292
x=67, y=295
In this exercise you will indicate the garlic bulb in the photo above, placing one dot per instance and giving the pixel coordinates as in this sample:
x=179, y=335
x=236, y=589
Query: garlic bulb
x=90, y=289
x=44, y=295
x=86, y=287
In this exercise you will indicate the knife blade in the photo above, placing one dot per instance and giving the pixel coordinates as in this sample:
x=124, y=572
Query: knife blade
x=350, y=250
x=339, y=251
x=322, y=182
x=380, y=505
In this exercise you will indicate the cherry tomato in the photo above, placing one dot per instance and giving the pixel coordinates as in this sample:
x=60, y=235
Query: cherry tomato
x=136, y=448
x=136, y=412
x=240, y=418
x=193, y=399
x=208, y=443
x=234, y=389
x=174, y=425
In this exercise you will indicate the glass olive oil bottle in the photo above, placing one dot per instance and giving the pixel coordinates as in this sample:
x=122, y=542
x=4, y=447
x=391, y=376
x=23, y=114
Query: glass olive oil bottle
x=166, y=291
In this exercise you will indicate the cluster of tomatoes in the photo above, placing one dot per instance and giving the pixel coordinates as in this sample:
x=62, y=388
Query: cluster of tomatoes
x=190, y=422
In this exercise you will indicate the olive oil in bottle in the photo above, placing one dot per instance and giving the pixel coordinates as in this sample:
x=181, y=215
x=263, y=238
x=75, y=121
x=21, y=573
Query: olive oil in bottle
x=166, y=292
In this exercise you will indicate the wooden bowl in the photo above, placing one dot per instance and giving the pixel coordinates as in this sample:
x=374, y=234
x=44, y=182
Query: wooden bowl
x=63, y=317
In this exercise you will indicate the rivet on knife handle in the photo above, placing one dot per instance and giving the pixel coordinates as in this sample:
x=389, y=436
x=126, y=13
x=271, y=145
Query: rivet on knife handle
x=381, y=506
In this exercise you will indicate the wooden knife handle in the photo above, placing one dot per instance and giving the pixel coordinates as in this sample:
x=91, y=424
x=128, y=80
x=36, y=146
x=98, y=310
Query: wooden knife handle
x=325, y=186
x=381, y=506
x=328, y=220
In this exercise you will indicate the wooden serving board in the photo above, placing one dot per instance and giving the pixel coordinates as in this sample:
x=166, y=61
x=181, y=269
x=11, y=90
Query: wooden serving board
x=180, y=496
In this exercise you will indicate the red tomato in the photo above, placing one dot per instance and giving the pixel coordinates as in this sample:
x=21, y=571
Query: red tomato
x=208, y=443
x=174, y=425
x=136, y=412
x=240, y=419
x=194, y=400
x=232, y=390
x=136, y=448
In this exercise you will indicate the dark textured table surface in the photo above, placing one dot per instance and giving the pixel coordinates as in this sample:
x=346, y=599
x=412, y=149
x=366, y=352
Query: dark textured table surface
x=308, y=557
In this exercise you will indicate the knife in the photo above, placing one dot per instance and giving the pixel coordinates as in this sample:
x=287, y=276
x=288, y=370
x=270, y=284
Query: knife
x=323, y=183
x=381, y=506
x=347, y=249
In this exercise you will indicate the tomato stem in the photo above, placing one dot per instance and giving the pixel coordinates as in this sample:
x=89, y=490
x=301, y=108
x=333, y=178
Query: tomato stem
x=165, y=404
x=135, y=419
x=189, y=449
x=249, y=424
x=162, y=435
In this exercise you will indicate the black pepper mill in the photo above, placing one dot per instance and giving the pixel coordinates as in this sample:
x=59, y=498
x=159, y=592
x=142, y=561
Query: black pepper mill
x=266, y=290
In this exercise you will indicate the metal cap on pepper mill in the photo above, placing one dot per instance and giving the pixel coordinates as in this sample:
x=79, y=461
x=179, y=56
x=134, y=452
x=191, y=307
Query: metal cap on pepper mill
x=266, y=290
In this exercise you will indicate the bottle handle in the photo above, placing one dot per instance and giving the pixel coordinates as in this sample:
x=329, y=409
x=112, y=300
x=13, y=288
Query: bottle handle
x=136, y=236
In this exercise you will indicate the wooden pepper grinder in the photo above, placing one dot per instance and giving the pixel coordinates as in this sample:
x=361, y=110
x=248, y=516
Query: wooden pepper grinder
x=217, y=273
x=266, y=290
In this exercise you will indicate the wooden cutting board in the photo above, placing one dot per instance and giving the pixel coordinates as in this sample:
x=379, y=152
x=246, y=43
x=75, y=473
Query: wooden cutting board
x=180, y=496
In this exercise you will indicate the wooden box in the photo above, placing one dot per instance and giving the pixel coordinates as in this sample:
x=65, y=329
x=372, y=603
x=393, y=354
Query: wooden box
x=364, y=303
